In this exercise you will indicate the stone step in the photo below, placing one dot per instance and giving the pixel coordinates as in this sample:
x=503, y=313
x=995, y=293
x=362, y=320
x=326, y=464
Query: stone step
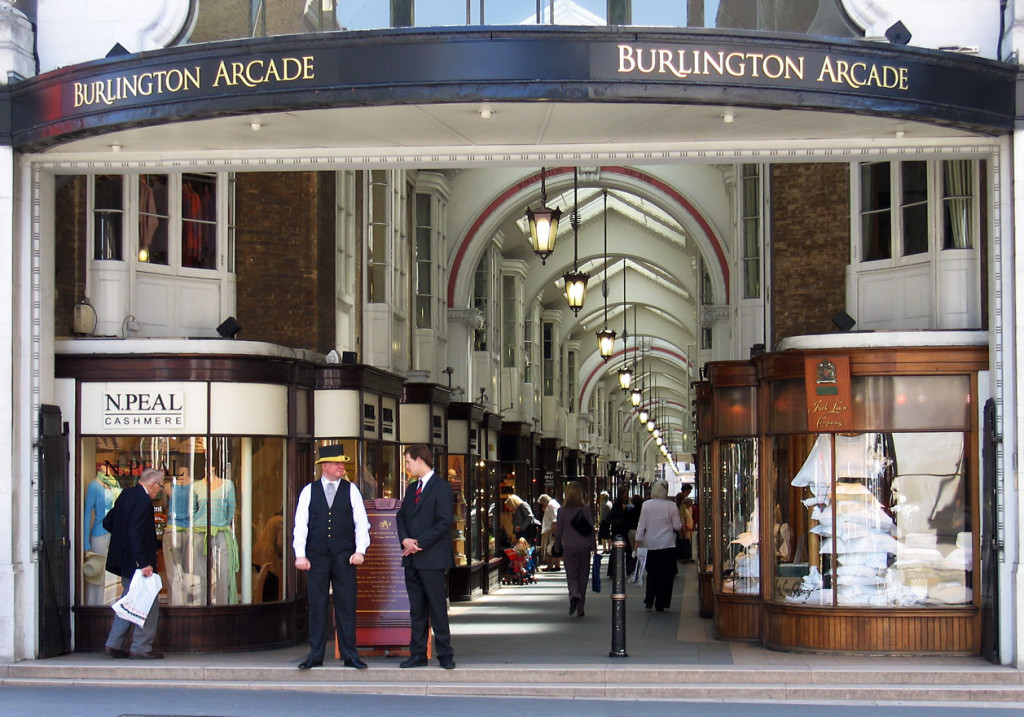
x=993, y=684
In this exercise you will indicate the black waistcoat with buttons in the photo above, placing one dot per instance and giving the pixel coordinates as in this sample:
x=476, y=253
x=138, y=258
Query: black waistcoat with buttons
x=332, y=530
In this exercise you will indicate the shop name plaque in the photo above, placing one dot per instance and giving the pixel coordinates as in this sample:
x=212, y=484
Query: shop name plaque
x=827, y=385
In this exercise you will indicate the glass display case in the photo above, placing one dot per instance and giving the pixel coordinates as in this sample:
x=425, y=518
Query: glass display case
x=872, y=504
x=735, y=544
x=703, y=517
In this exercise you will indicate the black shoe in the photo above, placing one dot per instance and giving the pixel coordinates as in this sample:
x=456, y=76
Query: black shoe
x=309, y=663
x=356, y=663
x=151, y=655
x=579, y=613
x=447, y=662
x=573, y=604
x=648, y=606
x=116, y=652
x=660, y=609
x=415, y=661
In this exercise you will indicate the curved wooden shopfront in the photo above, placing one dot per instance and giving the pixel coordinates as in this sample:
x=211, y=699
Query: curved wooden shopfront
x=925, y=628
x=255, y=621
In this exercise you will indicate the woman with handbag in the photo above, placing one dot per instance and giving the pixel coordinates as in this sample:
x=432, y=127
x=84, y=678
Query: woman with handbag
x=574, y=539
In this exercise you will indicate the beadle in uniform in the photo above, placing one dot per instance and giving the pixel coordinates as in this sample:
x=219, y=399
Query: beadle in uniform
x=330, y=539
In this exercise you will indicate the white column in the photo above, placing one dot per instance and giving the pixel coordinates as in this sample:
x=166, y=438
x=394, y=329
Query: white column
x=19, y=357
x=461, y=324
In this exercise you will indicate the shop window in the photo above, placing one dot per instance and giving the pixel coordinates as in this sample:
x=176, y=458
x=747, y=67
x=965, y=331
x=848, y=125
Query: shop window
x=873, y=519
x=739, y=549
x=219, y=518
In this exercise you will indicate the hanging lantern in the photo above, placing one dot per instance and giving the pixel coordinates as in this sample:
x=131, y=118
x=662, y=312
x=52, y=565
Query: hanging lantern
x=575, y=289
x=625, y=378
x=543, y=224
x=636, y=396
x=606, y=342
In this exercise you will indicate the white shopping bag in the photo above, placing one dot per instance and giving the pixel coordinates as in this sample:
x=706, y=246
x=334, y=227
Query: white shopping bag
x=637, y=578
x=141, y=596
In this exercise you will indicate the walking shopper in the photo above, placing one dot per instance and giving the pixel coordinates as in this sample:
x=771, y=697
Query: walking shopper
x=574, y=536
x=658, y=527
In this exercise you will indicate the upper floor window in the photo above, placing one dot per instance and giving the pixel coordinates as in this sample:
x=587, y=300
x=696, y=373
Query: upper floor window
x=936, y=203
x=482, y=299
x=424, y=261
x=750, y=228
x=509, y=322
x=378, y=235
x=548, y=342
x=176, y=215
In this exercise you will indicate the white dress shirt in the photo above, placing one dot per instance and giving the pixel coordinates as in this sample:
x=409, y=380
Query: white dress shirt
x=301, y=529
x=423, y=480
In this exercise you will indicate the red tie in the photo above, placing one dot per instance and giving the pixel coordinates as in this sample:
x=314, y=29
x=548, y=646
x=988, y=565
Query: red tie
x=419, y=489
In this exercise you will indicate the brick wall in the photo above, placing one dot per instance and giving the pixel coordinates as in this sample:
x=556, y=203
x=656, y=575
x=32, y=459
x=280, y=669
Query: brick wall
x=284, y=258
x=810, y=245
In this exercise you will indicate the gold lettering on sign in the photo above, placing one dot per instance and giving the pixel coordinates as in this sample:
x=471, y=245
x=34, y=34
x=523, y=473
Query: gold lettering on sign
x=756, y=65
x=251, y=73
x=828, y=414
x=142, y=84
x=861, y=74
x=258, y=71
x=684, y=63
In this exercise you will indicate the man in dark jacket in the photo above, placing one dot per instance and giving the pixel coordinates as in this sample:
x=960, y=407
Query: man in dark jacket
x=424, y=529
x=133, y=547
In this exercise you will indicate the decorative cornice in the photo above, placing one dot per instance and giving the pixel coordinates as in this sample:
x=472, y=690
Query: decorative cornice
x=470, y=318
x=710, y=315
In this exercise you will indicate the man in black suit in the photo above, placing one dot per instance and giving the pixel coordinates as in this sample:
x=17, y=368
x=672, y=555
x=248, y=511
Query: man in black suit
x=133, y=547
x=424, y=528
x=330, y=538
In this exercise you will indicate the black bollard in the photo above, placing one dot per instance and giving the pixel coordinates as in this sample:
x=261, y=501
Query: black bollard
x=618, y=597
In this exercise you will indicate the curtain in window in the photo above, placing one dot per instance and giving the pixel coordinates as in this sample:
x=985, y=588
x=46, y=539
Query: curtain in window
x=958, y=200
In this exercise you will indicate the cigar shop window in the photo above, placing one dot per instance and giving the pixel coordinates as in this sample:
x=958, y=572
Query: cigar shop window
x=219, y=518
x=879, y=518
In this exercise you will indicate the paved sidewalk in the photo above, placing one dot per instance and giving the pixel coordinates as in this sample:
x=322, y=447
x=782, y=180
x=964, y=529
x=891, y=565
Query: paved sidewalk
x=526, y=630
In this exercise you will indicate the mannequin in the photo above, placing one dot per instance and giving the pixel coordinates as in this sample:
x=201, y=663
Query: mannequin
x=99, y=498
x=179, y=557
x=216, y=549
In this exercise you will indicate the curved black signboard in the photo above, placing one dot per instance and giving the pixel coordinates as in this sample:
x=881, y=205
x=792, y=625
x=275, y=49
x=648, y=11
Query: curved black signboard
x=504, y=64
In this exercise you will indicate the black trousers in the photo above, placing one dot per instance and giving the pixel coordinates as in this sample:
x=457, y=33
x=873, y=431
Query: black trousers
x=428, y=608
x=661, y=571
x=326, y=572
